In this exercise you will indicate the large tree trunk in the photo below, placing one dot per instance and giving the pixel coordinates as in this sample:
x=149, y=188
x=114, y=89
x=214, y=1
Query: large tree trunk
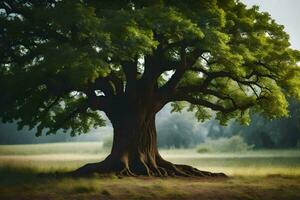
x=134, y=150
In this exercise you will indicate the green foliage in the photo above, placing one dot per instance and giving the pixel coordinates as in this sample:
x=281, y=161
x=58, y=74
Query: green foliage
x=177, y=106
x=201, y=113
x=55, y=55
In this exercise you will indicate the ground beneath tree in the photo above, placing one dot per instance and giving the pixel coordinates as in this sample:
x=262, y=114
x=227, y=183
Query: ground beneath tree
x=28, y=185
x=250, y=175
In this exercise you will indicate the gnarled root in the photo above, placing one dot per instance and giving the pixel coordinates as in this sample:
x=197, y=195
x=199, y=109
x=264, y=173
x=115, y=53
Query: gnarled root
x=185, y=170
x=159, y=168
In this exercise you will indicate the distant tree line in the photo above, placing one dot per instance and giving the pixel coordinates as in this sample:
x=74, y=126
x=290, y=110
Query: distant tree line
x=263, y=133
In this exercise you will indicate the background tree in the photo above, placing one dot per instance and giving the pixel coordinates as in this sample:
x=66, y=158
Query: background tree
x=63, y=61
x=263, y=133
x=179, y=131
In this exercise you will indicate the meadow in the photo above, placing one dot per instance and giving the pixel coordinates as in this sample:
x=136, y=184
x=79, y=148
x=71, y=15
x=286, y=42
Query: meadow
x=30, y=172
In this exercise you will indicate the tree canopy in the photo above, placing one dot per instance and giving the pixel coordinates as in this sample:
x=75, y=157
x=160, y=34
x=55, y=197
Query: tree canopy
x=61, y=62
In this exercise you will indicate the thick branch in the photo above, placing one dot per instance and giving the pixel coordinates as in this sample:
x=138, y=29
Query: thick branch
x=155, y=64
x=206, y=91
x=117, y=82
x=103, y=84
x=187, y=61
x=213, y=106
x=97, y=102
x=210, y=76
x=130, y=71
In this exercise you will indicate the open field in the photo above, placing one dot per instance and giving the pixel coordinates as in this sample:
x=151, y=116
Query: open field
x=268, y=174
x=68, y=156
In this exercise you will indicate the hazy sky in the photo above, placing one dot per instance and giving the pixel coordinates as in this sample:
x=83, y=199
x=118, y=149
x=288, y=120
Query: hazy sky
x=285, y=12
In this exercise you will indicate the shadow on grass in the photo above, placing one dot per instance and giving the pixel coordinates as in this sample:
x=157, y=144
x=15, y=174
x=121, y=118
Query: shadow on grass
x=19, y=175
x=17, y=182
x=10, y=176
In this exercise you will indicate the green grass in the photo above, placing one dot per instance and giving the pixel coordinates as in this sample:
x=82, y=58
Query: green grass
x=264, y=174
x=52, y=148
x=68, y=156
x=19, y=183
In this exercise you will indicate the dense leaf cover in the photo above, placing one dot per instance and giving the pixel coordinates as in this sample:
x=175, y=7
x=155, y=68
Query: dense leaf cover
x=61, y=62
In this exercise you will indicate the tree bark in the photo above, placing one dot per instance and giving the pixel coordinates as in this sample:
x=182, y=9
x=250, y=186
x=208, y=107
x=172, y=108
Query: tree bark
x=134, y=150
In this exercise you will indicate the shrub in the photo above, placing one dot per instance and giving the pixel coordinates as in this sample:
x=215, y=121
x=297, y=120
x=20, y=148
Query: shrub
x=107, y=142
x=232, y=144
x=202, y=150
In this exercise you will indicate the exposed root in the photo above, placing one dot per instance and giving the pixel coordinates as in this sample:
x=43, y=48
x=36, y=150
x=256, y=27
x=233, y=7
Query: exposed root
x=163, y=171
x=126, y=172
x=161, y=168
x=103, y=167
x=191, y=171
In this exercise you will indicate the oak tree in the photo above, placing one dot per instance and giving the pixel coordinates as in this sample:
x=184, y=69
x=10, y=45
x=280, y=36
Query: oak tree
x=63, y=61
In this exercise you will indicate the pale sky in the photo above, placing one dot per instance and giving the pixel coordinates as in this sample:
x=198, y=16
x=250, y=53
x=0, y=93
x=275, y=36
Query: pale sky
x=285, y=12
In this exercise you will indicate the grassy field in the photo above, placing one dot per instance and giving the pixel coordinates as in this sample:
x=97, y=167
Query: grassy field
x=265, y=174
